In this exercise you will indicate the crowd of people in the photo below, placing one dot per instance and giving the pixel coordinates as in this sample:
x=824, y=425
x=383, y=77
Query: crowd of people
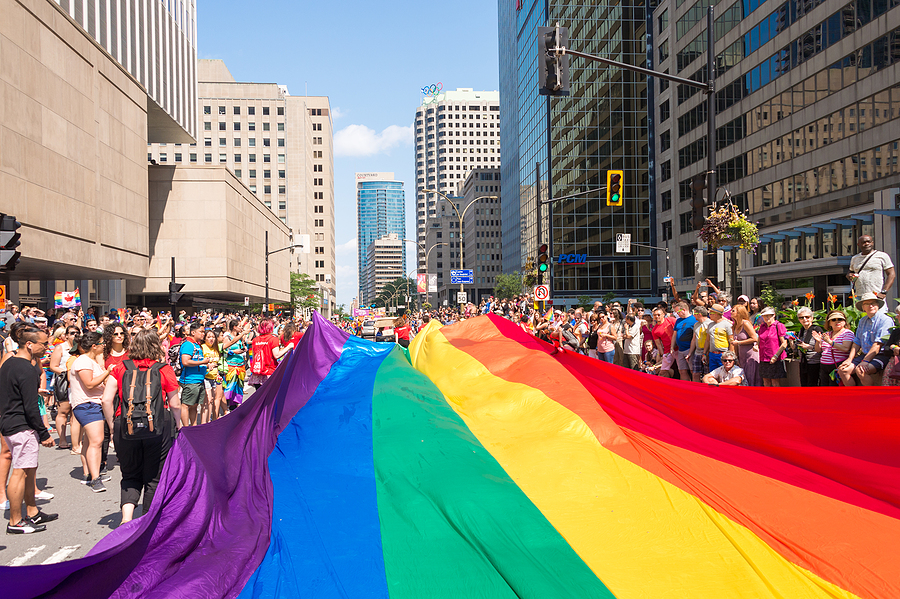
x=125, y=381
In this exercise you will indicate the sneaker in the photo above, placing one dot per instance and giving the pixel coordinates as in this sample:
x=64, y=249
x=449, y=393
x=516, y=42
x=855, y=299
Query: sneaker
x=4, y=505
x=44, y=495
x=24, y=527
x=86, y=480
x=43, y=517
x=97, y=485
x=104, y=476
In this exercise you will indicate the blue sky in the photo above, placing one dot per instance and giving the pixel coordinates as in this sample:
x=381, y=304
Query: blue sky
x=371, y=60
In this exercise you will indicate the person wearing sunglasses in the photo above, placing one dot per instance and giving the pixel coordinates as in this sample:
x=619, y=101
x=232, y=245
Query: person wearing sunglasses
x=835, y=344
x=729, y=374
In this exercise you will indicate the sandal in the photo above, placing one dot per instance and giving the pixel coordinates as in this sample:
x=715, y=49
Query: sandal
x=69, y=446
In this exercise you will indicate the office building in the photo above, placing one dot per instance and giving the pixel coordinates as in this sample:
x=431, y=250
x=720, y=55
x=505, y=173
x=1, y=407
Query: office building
x=280, y=147
x=81, y=102
x=555, y=147
x=156, y=43
x=384, y=264
x=806, y=135
x=456, y=131
x=380, y=203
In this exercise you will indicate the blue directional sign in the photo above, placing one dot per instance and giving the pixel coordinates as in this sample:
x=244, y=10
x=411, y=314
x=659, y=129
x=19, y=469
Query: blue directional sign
x=462, y=277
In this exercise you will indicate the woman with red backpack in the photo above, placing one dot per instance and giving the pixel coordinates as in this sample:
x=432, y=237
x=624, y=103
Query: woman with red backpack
x=144, y=420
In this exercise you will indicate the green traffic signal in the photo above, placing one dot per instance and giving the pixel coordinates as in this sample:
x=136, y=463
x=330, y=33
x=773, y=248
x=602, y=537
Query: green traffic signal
x=543, y=267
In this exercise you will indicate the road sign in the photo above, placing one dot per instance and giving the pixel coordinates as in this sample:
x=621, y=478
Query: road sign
x=246, y=300
x=2, y=297
x=462, y=277
x=542, y=293
x=461, y=297
x=623, y=243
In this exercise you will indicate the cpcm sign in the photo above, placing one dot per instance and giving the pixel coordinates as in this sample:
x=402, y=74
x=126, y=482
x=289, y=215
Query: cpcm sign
x=571, y=259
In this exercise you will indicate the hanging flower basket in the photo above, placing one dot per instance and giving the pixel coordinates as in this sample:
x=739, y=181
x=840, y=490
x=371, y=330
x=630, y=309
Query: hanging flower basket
x=726, y=226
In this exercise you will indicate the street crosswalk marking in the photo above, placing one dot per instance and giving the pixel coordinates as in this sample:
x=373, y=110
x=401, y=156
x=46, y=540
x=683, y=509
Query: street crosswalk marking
x=26, y=556
x=61, y=554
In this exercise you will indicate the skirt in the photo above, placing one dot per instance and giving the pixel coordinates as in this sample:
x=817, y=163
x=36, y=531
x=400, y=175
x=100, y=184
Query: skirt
x=767, y=370
x=234, y=384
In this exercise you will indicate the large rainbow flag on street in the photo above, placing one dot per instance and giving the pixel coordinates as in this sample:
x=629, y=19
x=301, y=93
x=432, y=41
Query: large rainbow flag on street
x=479, y=464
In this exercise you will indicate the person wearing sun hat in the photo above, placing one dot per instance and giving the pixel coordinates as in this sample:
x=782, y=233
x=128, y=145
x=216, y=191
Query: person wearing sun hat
x=863, y=363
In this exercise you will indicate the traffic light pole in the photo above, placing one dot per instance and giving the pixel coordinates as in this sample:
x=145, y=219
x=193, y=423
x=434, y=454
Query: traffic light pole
x=268, y=253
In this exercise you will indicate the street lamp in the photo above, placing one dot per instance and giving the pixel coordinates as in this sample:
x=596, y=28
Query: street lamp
x=461, y=215
x=268, y=253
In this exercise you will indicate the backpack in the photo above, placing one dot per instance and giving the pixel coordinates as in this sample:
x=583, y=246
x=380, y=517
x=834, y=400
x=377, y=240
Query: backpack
x=174, y=358
x=142, y=402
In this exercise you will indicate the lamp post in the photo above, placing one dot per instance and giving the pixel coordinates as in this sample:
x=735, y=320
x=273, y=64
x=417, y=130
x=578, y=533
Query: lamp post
x=461, y=215
x=268, y=253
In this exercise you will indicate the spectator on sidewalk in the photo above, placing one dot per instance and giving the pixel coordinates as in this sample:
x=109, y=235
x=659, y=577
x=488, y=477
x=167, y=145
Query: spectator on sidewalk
x=720, y=338
x=772, y=343
x=871, y=270
x=726, y=375
x=23, y=430
x=699, y=343
x=684, y=334
x=87, y=378
x=834, y=344
x=745, y=342
x=633, y=340
x=809, y=358
x=864, y=364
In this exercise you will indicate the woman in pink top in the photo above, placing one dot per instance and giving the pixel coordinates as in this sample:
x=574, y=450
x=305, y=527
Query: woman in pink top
x=86, y=382
x=772, y=342
x=835, y=346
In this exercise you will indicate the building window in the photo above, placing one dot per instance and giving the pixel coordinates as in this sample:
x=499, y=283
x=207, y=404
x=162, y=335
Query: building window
x=281, y=111
x=265, y=111
x=667, y=230
x=207, y=126
x=266, y=126
x=281, y=174
x=207, y=110
x=237, y=142
x=237, y=157
x=666, y=170
x=319, y=209
x=666, y=201
x=222, y=126
x=207, y=158
x=267, y=158
x=320, y=222
x=282, y=205
x=281, y=126
x=251, y=157
x=253, y=173
x=237, y=110
x=251, y=141
x=317, y=168
x=267, y=142
x=222, y=142
x=162, y=158
x=223, y=158
x=237, y=126
x=237, y=173
x=687, y=260
x=282, y=189
x=685, y=222
x=253, y=188
x=664, y=112
x=267, y=174
x=280, y=142
x=177, y=157
x=267, y=189
x=207, y=142
x=251, y=110
x=193, y=158
x=281, y=158
x=251, y=126
x=221, y=110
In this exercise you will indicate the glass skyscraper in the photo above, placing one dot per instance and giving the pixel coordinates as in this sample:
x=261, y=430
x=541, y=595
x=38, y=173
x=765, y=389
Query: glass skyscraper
x=380, y=208
x=572, y=141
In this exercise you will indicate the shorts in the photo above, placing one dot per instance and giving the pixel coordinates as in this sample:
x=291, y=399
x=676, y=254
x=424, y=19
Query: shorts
x=681, y=360
x=24, y=447
x=877, y=361
x=192, y=393
x=211, y=384
x=668, y=361
x=715, y=360
x=88, y=412
x=697, y=364
x=767, y=370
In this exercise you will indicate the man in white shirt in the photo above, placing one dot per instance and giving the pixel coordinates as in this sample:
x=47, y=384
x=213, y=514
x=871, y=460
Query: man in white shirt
x=871, y=271
x=632, y=342
x=727, y=375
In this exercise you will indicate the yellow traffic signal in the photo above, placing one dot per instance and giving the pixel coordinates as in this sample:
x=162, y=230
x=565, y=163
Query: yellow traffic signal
x=615, y=185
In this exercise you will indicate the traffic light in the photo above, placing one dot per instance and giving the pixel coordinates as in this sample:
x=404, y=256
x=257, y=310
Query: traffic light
x=543, y=262
x=174, y=295
x=9, y=241
x=553, y=63
x=615, y=186
x=698, y=184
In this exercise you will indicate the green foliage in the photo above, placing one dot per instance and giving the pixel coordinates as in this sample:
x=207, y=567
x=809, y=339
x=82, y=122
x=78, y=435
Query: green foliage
x=395, y=292
x=426, y=306
x=792, y=323
x=608, y=297
x=585, y=301
x=508, y=285
x=340, y=310
x=304, y=293
x=726, y=226
x=771, y=297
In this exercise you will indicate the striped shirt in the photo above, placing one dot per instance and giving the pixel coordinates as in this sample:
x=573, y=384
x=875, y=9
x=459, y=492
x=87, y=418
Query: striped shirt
x=832, y=356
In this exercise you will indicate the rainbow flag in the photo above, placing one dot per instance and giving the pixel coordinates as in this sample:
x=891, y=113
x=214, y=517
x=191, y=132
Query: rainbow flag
x=477, y=464
x=67, y=299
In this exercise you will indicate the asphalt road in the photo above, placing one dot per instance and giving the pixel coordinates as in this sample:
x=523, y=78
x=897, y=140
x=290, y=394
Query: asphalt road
x=84, y=517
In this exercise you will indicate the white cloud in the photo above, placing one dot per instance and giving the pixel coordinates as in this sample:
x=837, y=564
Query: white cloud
x=337, y=113
x=348, y=248
x=359, y=140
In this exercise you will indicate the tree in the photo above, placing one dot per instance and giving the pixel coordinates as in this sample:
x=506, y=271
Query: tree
x=508, y=285
x=585, y=301
x=398, y=288
x=304, y=293
x=340, y=310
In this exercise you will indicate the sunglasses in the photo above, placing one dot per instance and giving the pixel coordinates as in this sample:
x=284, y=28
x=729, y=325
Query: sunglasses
x=727, y=360
x=837, y=320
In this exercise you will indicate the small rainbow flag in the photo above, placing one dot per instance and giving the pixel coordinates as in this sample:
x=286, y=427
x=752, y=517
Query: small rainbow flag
x=67, y=299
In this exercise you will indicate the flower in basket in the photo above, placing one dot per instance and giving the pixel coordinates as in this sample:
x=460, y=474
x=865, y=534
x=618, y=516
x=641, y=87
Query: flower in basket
x=725, y=226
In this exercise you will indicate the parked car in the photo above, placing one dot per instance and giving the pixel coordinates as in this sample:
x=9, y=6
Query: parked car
x=368, y=329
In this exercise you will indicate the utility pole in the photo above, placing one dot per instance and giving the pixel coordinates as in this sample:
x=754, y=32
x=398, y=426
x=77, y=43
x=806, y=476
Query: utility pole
x=710, y=122
x=265, y=309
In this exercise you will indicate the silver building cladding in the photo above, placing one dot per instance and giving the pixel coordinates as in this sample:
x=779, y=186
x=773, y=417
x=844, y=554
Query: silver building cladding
x=155, y=41
x=807, y=134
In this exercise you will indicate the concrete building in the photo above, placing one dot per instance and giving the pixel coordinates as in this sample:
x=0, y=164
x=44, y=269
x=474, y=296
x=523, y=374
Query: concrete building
x=456, y=131
x=561, y=146
x=385, y=262
x=481, y=239
x=156, y=42
x=280, y=147
x=806, y=134
x=380, y=211
x=74, y=128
